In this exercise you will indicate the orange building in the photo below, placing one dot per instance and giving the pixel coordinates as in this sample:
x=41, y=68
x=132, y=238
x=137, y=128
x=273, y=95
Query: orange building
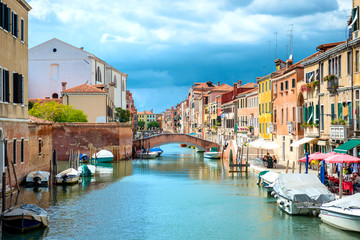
x=248, y=114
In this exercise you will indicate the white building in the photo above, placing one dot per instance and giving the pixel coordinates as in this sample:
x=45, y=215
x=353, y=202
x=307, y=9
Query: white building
x=54, y=62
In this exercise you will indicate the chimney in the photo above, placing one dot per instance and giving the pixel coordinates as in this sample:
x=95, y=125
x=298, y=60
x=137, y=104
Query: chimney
x=111, y=90
x=239, y=83
x=82, y=48
x=218, y=83
x=289, y=62
x=63, y=84
x=235, y=90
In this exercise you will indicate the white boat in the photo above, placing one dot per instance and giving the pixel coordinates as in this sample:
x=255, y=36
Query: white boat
x=68, y=176
x=91, y=168
x=268, y=179
x=37, y=178
x=103, y=156
x=343, y=213
x=301, y=194
x=146, y=155
x=159, y=151
x=200, y=150
x=24, y=218
x=212, y=153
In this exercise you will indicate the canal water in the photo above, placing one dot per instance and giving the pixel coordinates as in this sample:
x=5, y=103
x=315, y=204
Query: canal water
x=181, y=195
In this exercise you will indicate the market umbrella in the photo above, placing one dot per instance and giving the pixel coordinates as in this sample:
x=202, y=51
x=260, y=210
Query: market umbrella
x=257, y=143
x=269, y=145
x=342, y=158
x=193, y=134
x=317, y=156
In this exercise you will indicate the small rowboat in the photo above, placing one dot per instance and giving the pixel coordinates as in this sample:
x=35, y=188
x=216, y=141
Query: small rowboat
x=68, y=176
x=24, y=218
x=37, y=178
x=103, y=156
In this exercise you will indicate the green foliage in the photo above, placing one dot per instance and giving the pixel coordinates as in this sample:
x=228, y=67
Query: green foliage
x=153, y=124
x=30, y=105
x=57, y=112
x=141, y=124
x=122, y=115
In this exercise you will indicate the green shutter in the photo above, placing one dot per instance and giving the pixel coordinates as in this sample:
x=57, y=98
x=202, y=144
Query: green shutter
x=317, y=110
x=340, y=112
x=304, y=114
x=332, y=111
x=310, y=114
x=350, y=113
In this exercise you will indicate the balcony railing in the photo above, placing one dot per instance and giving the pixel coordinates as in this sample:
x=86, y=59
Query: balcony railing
x=340, y=132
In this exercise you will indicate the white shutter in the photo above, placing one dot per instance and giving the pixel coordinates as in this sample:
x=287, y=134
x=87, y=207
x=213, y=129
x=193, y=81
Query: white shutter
x=298, y=114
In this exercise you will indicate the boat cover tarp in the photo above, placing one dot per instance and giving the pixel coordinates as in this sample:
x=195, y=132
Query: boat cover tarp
x=104, y=154
x=36, y=212
x=352, y=202
x=270, y=177
x=294, y=186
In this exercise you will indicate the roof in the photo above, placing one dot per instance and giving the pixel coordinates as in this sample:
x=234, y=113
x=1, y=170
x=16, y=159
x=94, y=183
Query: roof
x=145, y=112
x=84, y=88
x=33, y=119
x=249, y=85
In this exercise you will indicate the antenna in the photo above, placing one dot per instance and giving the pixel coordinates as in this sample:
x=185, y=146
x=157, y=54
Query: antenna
x=286, y=54
x=276, y=33
x=291, y=38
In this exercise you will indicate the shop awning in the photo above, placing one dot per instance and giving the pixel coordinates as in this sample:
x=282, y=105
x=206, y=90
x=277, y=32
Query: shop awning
x=302, y=141
x=347, y=146
x=321, y=143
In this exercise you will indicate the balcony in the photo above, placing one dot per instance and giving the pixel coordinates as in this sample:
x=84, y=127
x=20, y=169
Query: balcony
x=340, y=132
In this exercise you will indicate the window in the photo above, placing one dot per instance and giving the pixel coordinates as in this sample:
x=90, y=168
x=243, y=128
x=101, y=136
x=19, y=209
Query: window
x=14, y=151
x=22, y=151
x=309, y=76
x=40, y=145
x=275, y=87
x=15, y=24
x=281, y=86
x=357, y=61
x=98, y=75
x=282, y=116
x=332, y=111
x=286, y=85
x=18, y=88
x=286, y=115
x=274, y=116
x=291, y=148
x=266, y=85
x=293, y=83
x=335, y=66
x=22, y=33
x=321, y=72
x=5, y=86
x=349, y=63
x=322, y=118
x=5, y=17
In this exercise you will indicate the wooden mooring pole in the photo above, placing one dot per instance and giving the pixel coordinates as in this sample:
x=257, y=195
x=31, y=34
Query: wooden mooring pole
x=3, y=192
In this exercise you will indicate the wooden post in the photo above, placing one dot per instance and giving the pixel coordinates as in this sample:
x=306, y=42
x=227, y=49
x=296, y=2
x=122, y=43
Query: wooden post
x=3, y=191
x=118, y=154
x=340, y=181
x=9, y=175
x=124, y=152
x=293, y=167
x=300, y=167
x=247, y=158
x=90, y=157
x=54, y=165
x=112, y=150
x=14, y=171
x=287, y=166
x=78, y=159
x=70, y=158
x=95, y=158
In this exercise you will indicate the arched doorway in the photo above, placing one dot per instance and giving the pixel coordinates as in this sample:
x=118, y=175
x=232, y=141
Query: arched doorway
x=231, y=158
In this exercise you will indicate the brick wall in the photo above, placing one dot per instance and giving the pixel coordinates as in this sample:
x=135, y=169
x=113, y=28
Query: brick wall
x=83, y=136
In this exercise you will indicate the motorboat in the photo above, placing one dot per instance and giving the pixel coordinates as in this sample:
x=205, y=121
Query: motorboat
x=212, y=153
x=183, y=145
x=159, y=151
x=267, y=179
x=24, y=218
x=343, y=213
x=200, y=150
x=301, y=194
x=87, y=170
x=68, y=176
x=146, y=155
x=37, y=178
x=103, y=156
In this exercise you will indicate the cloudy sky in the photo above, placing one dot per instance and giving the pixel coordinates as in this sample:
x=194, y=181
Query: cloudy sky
x=167, y=45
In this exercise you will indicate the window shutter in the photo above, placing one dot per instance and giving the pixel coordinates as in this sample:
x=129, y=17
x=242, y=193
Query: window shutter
x=353, y=12
x=304, y=114
x=317, y=110
x=12, y=20
x=332, y=111
x=20, y=89
x=1, y=14
x=6, y=86
x=340, y=112
x=8, y=19
x=15, y=87
x=350, y=113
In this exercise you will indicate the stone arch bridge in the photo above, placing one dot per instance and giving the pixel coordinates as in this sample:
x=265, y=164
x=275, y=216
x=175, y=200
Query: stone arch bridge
x=166, y=138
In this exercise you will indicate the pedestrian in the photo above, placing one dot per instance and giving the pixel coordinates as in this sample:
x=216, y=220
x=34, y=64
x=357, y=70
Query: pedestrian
x=275, y=161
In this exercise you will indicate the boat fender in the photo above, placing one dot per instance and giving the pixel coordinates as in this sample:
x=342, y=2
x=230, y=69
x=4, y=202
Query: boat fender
x=287, y=205
x=273, y=193
x=314, y=213
x=280, y=202
x=276, y=196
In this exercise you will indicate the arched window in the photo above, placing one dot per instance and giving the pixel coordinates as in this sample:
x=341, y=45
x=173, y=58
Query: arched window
x=55, y=95
x=115, y=81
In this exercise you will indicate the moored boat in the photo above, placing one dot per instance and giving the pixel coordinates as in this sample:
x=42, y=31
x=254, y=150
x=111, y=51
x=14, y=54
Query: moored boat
x=343, y=213
x=159, y=151
x=212, y=153
x=301, y=194
x=24, y=218
x=68, y=176
x=146, y=155
x=87, y=170
x=183, y=145
x=200, y=150
x=37, y=178
x=267, y=179
x=103, y=156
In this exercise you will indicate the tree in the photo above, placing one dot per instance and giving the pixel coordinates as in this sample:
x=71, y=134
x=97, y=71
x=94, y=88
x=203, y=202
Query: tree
x=57, y=112
x=141, y=124
x=153, y=124
x=122, y=115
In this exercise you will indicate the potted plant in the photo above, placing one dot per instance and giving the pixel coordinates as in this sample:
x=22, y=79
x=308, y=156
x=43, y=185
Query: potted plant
x=334, y=122
x=316, y=125
x=315, y=83
x=341, y=121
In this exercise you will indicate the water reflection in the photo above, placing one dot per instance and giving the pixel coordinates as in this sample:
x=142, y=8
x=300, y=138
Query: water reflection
x=180, y=195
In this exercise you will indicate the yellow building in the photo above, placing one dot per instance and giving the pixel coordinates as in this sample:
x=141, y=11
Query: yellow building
x=147, y=117
x=93, y=100
x=265, y=107
x=14, y=134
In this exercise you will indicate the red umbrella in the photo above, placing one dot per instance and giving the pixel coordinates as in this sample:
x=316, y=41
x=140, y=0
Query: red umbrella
x=317, y=156
x=342, y=158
